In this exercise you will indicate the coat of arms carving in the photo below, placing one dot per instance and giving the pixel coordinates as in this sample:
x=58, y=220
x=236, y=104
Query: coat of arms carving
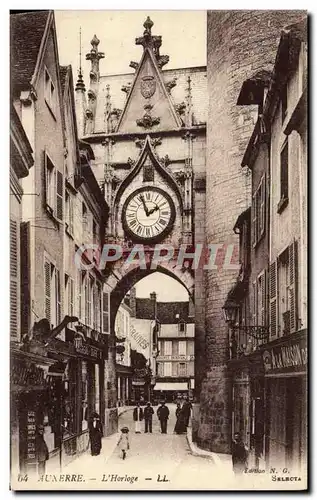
x=148, y=86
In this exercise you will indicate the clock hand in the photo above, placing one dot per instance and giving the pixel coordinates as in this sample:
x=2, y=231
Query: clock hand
x=153, y=210
x=144, y=206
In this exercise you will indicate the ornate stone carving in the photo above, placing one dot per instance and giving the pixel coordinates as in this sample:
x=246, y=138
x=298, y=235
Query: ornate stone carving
x=170, y=85
x=131, y=162
x=165, y=160
x=155, y=141
x=89, y=114
x=148, y=86
x=162, y=60
x=134, y=65
x=147, y=121
x=91, y=95
x=180, y=108
x=126, y=88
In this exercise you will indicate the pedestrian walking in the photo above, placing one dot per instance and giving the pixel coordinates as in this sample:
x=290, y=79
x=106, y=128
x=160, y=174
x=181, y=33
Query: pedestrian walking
x=180, y=427
x=95, y=434
x=239, y=455
x=123, y=443
x=163, y=414
x=138, y=417
x=186, y=410
x=148, y=414
x=41, y=450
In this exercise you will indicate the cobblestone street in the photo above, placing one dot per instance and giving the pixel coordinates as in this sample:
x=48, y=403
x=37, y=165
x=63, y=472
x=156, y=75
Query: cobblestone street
x=154, y=461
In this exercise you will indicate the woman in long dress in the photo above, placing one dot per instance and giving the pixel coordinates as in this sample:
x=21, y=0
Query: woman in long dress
x=180, y=427
x=95, y=434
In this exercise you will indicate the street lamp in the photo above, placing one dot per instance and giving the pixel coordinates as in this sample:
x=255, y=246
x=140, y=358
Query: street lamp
x=258, y=332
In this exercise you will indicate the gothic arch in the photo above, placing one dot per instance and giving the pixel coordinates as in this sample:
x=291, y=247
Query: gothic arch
x=147, y=150
x=120, y=281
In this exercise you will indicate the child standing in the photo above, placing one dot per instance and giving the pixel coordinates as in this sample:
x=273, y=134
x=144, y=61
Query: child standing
x=123, y=442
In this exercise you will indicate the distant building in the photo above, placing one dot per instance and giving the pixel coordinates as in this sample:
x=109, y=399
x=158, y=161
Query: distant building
x=169, y=344
x=123, y=355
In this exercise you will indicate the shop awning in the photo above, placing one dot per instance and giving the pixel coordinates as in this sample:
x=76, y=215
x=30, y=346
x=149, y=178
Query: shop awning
x=171, y=386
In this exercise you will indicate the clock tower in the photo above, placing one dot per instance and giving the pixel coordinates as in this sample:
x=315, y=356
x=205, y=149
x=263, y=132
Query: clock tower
x=147, y=129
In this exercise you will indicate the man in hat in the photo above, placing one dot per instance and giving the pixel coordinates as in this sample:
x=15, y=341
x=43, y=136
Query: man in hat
x=148, y=414
x=138, y=417
x=41, y=450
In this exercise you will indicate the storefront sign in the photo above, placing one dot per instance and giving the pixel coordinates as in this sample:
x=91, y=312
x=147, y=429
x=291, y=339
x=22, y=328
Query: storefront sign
x=31, y=430
x=178, y=357
x=291, y=356
x=89, y=350
x=26, y=375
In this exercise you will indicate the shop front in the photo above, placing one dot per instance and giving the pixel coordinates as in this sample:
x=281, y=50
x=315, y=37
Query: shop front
x=285, y=365
x=248, y=411
x=170, y=390
x=55, y=386
x=28, y=386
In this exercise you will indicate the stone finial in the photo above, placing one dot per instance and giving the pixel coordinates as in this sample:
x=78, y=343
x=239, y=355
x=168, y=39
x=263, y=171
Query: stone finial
x=95, y=42
x=94, y=56
x=148, y=24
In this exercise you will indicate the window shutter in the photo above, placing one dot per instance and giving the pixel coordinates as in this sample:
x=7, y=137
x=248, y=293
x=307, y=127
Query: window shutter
x=58, y=297
x=254, y=310
x=45, y=175
x=262, y=206
x=262, y=284
x=71, y=214
x=254, y=219
x=47, y=286
x=292, y=290
x=59, y=195
x=70, y=296
x=79, y=295
x=106, y=312
x=273, y=298
x=14, y=280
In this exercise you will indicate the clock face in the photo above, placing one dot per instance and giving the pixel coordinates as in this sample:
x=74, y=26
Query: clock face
x=148, y=214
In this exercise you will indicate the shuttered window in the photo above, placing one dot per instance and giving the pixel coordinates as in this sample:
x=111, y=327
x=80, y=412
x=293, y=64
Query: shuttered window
x=14, y=281
x=259, y=211
x=47, y=287
x=59, y=195
x=70, y=295
x=106, y=312
x=54, y=188
x=58, y=297
x=292, y=288
x=273, y=299
x=52, y=293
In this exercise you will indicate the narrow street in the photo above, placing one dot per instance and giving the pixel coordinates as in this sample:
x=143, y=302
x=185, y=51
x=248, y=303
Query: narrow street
x=154, y=461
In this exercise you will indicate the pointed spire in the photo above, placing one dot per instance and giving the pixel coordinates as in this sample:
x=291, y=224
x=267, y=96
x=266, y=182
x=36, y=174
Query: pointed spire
x=153, y=42
x=94, y=56
x=80, y=85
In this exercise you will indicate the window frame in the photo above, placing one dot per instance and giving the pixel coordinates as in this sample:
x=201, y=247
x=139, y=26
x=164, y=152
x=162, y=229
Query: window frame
x=49, y=96
x=284, y=177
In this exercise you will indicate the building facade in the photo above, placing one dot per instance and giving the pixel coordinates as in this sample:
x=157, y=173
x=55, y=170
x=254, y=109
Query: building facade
x=269, y=361
x=60, y=353
x=233, y=54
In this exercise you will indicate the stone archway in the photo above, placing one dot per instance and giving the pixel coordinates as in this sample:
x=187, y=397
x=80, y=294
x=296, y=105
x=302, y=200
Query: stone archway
x=121, y=280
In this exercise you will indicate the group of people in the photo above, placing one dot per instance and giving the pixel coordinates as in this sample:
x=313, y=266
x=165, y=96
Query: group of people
x=183, y=412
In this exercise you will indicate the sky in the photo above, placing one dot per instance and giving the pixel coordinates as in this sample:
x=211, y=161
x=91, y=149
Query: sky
x=167, y=289
x=183, y=37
